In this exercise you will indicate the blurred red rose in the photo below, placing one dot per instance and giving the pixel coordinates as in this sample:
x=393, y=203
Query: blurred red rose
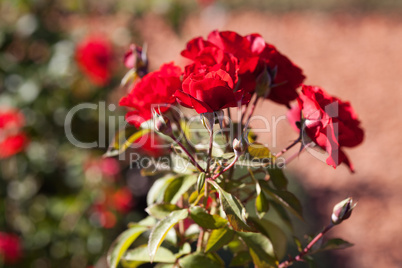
x=329, y=122
x=95, y=58
x=12, y=139
x=112, y=201
x=209, y=92
x=10, y=248
x=254, y=56
x=154, y=88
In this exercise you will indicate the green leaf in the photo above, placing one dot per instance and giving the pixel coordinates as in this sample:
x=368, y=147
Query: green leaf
x=241, y=258
x=141, y=254
x=198, y=260
x=178, y=187
x=184, y=250
x=200, y=182
x=275, y=234
x=261, y=249
x=206, y=220
x=261, y=202
x=258, y=150
x=122, y=243
x=234, y=210
x=218, y=239
x=161, y=211
x=287, y=199
x=161, y=229
x=277, y=177
x=335, y=243
x=156, y=193
x=298, y=244
x=120, y=144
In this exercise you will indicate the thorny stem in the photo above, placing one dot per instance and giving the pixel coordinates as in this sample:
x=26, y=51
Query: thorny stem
x=289, y=147
x=252, y=110
x=306, y=249
x=177, y=120
x=226, y=168
x=188, y=154
x=292, y=157
x=211, y=141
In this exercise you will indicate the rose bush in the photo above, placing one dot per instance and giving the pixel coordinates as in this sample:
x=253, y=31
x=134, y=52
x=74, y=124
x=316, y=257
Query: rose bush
x=197, y=207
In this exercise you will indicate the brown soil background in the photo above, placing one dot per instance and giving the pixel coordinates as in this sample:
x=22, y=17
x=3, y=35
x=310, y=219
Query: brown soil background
x=357, y=58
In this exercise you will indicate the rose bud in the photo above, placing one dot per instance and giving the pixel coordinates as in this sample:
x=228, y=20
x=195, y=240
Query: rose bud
x=239, y=146
x=162, y=124
x=263, y=83
x=342, y=210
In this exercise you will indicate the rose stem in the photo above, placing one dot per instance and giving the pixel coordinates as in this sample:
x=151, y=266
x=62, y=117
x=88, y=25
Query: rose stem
x=292, y=157
x=188, y=154
x=252, y=110
x=307, y=248
x=226, y=168
x=289, y=147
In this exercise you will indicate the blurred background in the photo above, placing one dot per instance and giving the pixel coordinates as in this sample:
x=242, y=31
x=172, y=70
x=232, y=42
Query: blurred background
x=62, y=206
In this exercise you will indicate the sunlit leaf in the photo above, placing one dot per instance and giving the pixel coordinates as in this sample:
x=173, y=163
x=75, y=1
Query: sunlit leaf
x=184, y=250
x=261, y=249
x=121, y=144
x=141, y=254
x=275, y=234
x=122, y=243
x=234, y=210
x=261, y=202
x=287, y=199
x=258, y=150
x=335, y=243
x=161, y=229
x=156, y=193
x=198, y=260
x=160, y=211
x=178, y=187
x=206, y=220
x=218, y=239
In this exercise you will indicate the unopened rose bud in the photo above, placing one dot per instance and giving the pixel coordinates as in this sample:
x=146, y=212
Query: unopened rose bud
x=263, y=84
x=239, y=146
x=342, y=210
x=162, y=124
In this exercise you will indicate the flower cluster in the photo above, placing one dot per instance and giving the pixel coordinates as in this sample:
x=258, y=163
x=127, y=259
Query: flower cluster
x=228, y=70
x=12, y=138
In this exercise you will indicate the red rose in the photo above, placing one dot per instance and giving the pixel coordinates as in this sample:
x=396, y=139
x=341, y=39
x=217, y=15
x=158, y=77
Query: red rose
x=209, y=92
x=329, y=122
x=12, y=140
x=254, y=55
x=154, y=88
x=94, y=56
x=208, y=57
x=10, y=248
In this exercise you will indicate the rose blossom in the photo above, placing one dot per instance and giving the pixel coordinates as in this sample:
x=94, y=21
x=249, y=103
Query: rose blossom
x=254, y=55
x=154, y=88
x=10, y=248
x=12, y=140
x=209, y=92
x=329, y=122
x=94, y=57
